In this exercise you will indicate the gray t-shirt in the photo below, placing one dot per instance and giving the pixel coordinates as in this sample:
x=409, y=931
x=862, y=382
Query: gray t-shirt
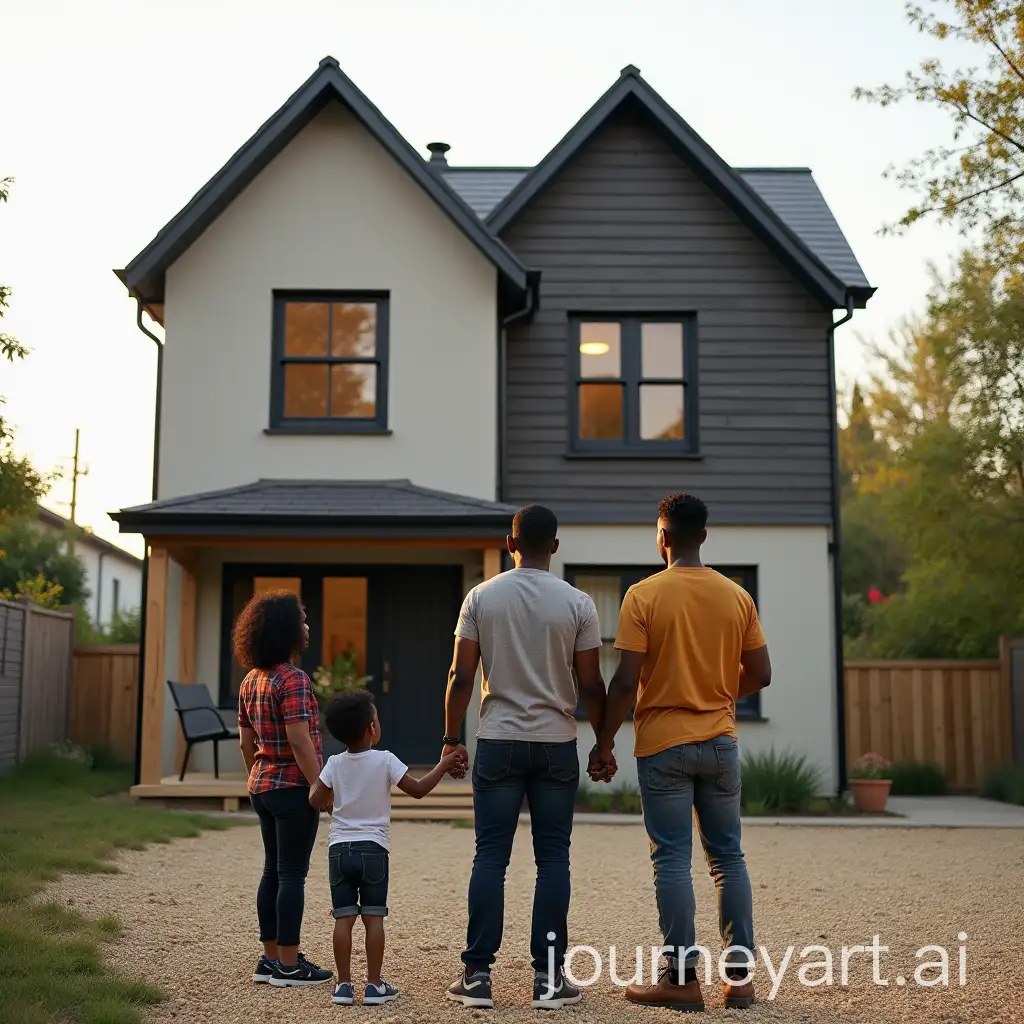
x=528, y=623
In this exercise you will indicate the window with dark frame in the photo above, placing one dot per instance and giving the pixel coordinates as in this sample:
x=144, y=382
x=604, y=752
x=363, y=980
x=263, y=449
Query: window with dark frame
x=607, y=586
x=330, y=362
x=635, y=384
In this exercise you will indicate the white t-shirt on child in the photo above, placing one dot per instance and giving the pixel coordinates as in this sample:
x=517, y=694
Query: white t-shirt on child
x=362, y=795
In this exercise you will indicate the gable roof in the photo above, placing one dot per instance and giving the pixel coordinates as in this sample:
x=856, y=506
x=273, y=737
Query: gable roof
x=791, y=192
x=144, y=275
x=86, y=537
x=726, y=182
x=336, y=507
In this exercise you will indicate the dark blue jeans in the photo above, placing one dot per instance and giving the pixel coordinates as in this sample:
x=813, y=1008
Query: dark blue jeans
x=702, y=777
x=505, y=774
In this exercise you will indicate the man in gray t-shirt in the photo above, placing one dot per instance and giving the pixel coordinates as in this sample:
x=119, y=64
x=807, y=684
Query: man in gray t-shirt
x=532, y=632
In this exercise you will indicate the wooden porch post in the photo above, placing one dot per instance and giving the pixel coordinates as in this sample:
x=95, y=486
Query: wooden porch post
x=492, y=562
x=151, y=754
x=187, y=630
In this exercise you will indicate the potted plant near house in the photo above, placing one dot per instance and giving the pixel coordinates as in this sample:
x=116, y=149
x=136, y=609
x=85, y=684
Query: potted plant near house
x=870, y=781
x=329, y=680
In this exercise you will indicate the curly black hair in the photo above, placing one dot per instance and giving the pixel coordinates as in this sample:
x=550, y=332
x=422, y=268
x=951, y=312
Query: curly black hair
x=269, y=630
x=349, y=715
x=686, y=515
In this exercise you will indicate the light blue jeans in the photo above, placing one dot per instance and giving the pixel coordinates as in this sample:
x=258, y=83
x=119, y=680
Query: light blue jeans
x=673, y=784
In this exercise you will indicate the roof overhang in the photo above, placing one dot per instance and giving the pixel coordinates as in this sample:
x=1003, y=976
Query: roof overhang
x=144, y=275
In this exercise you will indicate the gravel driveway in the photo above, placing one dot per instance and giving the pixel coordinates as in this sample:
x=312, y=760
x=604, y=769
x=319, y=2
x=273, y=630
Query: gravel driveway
x=191, y=923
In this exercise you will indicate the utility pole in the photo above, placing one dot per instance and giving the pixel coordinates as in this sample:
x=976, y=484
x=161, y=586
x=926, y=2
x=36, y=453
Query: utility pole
x=75, y=474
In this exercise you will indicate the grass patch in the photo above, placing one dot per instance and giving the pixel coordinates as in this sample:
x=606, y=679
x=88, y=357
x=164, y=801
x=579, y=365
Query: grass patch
x=1005, y=784
x=54, y=818
x=776, y=783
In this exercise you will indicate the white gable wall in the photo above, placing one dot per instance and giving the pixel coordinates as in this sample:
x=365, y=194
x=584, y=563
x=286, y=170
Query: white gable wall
x=333, y=211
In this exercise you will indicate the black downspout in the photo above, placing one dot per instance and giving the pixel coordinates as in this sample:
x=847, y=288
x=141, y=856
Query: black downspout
x=837, y=548
x=528, y=308
x=145, y=560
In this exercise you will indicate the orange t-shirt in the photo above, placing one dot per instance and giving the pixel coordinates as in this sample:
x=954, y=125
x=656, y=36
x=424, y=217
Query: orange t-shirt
x=692, y=624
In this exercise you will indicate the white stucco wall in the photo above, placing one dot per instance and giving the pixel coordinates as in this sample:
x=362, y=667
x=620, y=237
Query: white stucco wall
x=795, y=606
x=332, y=211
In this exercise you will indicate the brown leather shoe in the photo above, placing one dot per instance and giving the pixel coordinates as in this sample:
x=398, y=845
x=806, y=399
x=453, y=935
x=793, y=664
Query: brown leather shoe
x=664, y=993
x=738, y=997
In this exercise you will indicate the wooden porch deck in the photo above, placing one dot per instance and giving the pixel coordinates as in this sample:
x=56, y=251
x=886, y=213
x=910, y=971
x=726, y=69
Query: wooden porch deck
x=452, y=800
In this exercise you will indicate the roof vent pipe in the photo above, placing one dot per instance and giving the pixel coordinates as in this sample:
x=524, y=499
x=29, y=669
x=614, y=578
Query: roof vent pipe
x=437, y=154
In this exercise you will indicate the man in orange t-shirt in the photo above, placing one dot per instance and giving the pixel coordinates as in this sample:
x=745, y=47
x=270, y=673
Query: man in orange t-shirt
x=689, y=644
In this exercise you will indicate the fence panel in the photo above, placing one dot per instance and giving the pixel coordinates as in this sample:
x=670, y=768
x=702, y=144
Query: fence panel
x=12, y=650
x=104, y=697
x=46, y=678
x=952, y=713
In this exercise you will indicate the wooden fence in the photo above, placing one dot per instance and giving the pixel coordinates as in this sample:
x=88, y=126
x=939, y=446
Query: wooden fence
x=35, y=678
x=956, y=714
x=104, y=698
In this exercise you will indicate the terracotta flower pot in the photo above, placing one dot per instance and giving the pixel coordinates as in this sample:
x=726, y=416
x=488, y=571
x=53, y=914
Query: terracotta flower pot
x=870, y=795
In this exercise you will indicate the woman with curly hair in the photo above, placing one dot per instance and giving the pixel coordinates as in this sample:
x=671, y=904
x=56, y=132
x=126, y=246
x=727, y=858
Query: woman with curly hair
x=279, y=728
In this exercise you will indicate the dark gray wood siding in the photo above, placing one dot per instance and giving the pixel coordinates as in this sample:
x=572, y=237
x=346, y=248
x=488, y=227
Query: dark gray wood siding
x=629, y=227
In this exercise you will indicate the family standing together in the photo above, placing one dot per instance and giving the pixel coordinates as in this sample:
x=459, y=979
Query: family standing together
x=689, y=645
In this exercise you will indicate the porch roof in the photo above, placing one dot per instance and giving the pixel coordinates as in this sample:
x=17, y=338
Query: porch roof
x=327, y=508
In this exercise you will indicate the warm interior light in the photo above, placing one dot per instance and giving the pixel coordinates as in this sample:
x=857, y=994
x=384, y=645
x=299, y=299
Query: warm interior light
x=594, y=348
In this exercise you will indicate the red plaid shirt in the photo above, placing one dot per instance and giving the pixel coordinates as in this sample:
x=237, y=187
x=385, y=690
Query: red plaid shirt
x=268, y=700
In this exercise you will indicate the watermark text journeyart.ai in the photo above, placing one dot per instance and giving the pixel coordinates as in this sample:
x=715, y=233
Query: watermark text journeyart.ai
x=816, y=965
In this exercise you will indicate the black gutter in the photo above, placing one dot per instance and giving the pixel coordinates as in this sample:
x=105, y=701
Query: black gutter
x=528, y=308
x=837, y=547
x=145, y=560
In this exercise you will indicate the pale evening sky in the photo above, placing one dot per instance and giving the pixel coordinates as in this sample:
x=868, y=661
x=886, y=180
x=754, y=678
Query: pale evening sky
x=116, y=111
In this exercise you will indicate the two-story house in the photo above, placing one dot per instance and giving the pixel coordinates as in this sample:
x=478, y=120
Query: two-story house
x=373, y=357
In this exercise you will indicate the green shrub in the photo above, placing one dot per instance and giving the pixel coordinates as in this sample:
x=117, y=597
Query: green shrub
x=602, y=799
x=917, y=778
x=778, y=782
x=1005, y=784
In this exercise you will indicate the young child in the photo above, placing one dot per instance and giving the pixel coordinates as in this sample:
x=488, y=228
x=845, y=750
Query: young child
x=357, y=785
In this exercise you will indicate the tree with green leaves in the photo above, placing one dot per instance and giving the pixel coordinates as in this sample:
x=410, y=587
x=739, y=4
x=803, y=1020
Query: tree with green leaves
x=34, y=557
x=21, y=484
x=948, y=402
x=976, y=179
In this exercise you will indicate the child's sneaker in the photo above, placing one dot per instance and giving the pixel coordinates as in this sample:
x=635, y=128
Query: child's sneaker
x=472, y=989
x=304, y=973
x=375, y=995
x=548, y=996
x=264, y=970
x=344, y=994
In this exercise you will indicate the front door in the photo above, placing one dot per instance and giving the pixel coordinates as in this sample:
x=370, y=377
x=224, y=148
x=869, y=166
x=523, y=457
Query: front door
x=414, y=611
x=397, y=622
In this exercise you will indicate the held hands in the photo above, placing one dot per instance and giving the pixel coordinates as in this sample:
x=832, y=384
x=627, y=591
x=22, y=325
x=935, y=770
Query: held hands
x=601, y=765
x=455, y=761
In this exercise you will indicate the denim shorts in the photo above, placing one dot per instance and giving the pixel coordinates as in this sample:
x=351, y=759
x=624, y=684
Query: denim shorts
x=359, y=879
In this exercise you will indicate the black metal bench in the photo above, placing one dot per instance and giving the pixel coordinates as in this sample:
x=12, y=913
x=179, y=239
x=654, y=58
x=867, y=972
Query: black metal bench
x=201, y=721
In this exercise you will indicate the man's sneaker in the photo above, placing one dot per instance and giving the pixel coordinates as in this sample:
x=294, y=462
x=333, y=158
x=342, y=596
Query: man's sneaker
x=550, y=997
x=264, y=970
x=375, y=995
x=304, y=973
x=472, y=989
x=344, y=994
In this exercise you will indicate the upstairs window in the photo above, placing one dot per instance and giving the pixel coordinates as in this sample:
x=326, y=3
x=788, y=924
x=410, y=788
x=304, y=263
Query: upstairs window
x=634, y=390
x=330, y=363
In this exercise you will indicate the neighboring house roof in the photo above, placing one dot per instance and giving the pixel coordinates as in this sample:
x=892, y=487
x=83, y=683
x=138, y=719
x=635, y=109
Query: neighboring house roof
x=88, y=539
x=144, y=275
x=790, y=191
x=334, y=506
x=731, y=186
